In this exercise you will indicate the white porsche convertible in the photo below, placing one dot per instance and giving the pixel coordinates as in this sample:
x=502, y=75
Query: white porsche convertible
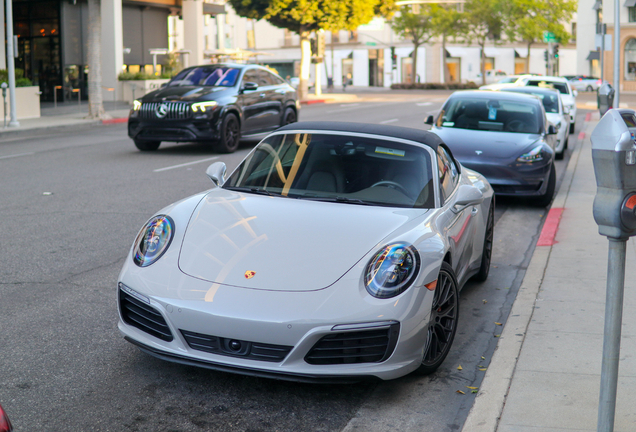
x=334, y=252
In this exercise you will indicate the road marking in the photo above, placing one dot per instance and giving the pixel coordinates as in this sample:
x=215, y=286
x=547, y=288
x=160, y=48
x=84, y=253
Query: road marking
x=550, y=227
x=17, y=155
x=185, y=164
x=388, y=121
x=424, y=103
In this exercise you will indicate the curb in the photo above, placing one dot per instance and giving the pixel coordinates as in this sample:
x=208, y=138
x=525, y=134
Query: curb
x=489, y=403
x=115, y=121
x=10, y=135
x=313, y=101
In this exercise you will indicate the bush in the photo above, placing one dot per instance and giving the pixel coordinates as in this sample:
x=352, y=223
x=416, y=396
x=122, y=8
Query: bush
x=435, y=86
x=141, y=76
x=20, y=81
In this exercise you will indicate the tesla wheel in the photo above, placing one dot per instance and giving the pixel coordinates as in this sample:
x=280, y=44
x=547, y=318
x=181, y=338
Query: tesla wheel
x=546, y=199
x=572, y=127
x=230, y=134
x=443, y=322
x=565, y=145
x=289, y=117
x=147, y=145
x=486, y=254
x=559, y=155
x=589, y=88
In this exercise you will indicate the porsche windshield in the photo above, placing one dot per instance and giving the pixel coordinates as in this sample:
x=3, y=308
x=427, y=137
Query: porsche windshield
x=206, y=76
x=339, y=168
x=491, y=115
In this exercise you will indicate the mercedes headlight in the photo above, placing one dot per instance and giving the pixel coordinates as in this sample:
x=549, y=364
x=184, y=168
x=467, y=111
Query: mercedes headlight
x=135, y=108
x=153, y=240
x=392, y=270
x=535, y=155
x=204, y=106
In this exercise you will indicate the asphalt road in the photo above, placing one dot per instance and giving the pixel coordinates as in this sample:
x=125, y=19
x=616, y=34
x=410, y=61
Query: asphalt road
x=71, y=205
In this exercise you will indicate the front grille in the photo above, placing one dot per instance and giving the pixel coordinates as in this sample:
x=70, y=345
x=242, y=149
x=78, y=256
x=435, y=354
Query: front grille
x=364, y=346
x=235, y=347
x=173, y=111
x=138, y=314
x=167, y=133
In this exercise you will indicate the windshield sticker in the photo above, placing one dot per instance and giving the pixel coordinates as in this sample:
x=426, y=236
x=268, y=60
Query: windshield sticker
x=449, y=124
x=392, y=152
x=492, y=113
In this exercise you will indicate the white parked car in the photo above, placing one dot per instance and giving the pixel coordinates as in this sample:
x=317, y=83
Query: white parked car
x=585, y=83
x=508, y=81
x=556, y=113
x=562, y=85
x=334, y=252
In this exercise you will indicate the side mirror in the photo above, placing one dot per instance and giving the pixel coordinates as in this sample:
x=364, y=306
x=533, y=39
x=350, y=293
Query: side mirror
x=216, y=172
x=249, y=86
x=429, y=120
x=566, y=110
x=467, y=195
x=552, y=130
x=575, y=93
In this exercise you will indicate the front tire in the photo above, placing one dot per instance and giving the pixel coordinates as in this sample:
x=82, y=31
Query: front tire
x=230, y=134
x=572, y=127
x=289, y=116
x=486, y=254
x=443, y=322
x=546, y=199
x=147, y=145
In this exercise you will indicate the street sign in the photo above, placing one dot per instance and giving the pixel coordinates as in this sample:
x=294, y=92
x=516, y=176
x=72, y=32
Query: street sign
x=548, y=37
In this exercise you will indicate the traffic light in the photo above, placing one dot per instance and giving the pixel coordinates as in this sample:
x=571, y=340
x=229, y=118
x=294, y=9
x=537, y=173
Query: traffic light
x=393, y=58
x=545, y=55
x=555, y=51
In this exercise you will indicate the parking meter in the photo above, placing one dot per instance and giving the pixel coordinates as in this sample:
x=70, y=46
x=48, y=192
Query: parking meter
x=614, y=156
x=605, y=98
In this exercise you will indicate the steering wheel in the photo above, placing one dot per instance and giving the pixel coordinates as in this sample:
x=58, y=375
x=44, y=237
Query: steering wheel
x=515, y=126
x=392, y=185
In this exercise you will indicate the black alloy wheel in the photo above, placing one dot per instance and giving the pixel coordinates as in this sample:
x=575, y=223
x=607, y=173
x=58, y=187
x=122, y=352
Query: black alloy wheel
x=147, y=145
x=443, y=322
x=486, y=254
x=289, y=116
x=546, y=199
x=230, y=134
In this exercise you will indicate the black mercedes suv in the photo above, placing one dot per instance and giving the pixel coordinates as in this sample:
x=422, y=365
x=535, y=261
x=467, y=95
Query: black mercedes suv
x=215, y=103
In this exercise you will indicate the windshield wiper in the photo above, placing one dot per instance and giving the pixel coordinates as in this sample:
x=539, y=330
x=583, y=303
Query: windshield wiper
x=336, y=199
x=255, y=190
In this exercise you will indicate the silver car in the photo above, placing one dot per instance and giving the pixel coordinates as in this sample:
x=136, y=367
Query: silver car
x=334, y=252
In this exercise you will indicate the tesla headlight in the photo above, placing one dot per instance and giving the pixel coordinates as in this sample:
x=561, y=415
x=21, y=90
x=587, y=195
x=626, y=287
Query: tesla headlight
x=203, y=106
x=392, y=270
x=153, y=240
x=535, y=155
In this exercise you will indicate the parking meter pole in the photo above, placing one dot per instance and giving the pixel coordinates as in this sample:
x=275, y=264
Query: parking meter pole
x=13, y=122
x=612, y=333
x=617, y=50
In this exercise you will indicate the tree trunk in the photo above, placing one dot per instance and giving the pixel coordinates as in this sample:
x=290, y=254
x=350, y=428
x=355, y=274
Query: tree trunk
x=483, y=62
x=528, y=58
x=305, y=63
x=445, y=66
x=414, y=60
x=95, y=101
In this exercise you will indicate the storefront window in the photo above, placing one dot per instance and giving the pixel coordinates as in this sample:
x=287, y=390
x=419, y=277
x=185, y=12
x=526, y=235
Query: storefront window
x=630, y=60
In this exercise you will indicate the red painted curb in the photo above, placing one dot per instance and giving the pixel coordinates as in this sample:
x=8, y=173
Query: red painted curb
x=550, y=227
x=581, y=135
x=313, y=101
x=115, y=121
x=588, y=117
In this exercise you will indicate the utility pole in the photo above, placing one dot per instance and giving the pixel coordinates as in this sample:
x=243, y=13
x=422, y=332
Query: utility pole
x=13, y=122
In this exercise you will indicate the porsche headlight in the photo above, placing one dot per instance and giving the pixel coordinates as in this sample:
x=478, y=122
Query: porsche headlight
x=153, y=240
x=392, y=270
x=535, y=155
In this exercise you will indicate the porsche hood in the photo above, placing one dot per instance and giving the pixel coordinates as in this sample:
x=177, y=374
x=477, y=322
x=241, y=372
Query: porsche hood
x=248, y=241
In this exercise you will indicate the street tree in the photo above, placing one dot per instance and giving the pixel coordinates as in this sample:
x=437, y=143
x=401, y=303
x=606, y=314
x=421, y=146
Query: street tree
x=306, y=16
x=528, y=19
x=485, y=20
x=415, y=22
x=95, y=98
x=449, y=24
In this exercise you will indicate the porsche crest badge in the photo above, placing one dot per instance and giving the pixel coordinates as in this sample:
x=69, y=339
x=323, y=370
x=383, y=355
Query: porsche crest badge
x=249, y=274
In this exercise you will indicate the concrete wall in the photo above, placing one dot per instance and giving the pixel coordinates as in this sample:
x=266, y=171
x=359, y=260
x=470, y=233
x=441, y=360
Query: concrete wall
x=27, y=101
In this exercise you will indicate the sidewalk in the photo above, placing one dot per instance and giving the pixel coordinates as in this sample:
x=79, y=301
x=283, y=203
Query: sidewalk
x=545, y=373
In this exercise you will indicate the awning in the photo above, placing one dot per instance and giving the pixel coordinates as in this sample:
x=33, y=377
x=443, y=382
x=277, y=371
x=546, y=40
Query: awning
x=523, y=52
x=593, y=55
x=629, y=3
x=456, y=51
x=491, y=52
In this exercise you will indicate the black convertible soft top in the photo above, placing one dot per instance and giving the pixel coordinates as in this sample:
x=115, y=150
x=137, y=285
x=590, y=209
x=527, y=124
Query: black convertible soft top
x=417, y=135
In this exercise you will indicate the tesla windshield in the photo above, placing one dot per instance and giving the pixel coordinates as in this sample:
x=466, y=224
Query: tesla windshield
x=560, y=86
x=339, y=168
x=549, y=99
x=206, y=76
x=491, y=115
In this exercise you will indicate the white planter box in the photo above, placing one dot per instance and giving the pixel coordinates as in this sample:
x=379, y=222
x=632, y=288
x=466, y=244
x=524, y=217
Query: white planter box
x=27, y=101
x=140, y=88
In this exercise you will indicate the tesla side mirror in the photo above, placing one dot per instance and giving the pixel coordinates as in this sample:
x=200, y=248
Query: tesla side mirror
x=429, y=120
x=216, y=172
x=248, y=86
x=552, y=130
x=467, y=195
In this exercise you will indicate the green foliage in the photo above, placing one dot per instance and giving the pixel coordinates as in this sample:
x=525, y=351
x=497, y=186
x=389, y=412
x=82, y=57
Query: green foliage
x=20, y=80
x=415, y=23
x=448, y=21
x=434, y=86
x=142, y=76
x=528, y=19
x=484, y=19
